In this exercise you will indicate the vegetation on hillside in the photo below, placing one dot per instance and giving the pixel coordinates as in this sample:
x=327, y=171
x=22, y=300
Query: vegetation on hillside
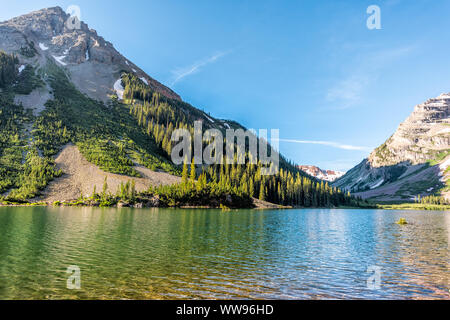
x=8, y=69
x=12, y=119
x=28, y=50
x=191, y=192
x=118, y=135
x=160, y=116
x=23, y=173
x=414, y=206
x=106, y=135
x=27, y=81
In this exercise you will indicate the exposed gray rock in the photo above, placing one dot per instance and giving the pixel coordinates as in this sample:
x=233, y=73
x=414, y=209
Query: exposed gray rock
x=48, y=30
x=411, y=162
x=424, y=134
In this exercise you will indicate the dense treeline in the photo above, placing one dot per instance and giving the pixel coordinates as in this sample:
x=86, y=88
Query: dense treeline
x=201, y=192
x=106, y=135
x=20, y=82
x=11, y=145
x=36, y=173
x=191, y=192
x=116, y=137
x=27, y=81
x=160, y=116
x=205, y=190
x=438, y=200
x=8, y=70
x=28, y=50
x=284, y=188
x=23, y=173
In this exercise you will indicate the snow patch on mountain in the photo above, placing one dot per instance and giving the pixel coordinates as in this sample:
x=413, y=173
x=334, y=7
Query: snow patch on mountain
x=327, y=175
x=144, y=80
x=43, y=46
x=376, y=185
x=119, y=88
x=60, y=59
x=445, y=165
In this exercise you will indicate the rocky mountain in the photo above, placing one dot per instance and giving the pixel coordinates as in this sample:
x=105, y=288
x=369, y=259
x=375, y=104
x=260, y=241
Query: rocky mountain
x=74, y=112
x=71, y=80
x=414, y=161
x=82, y=51
x=327, y=175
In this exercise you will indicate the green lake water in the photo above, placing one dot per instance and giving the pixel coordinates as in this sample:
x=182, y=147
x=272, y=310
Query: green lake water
x=210, y=254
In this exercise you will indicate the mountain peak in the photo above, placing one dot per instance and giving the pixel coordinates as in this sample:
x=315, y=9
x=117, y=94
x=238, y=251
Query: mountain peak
x=326, y=175
x=44, y=23
x=422, y=136
x=413, y=161
x=80, y=50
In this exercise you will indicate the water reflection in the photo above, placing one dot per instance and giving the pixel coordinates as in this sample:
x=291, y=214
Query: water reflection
x=202, y=254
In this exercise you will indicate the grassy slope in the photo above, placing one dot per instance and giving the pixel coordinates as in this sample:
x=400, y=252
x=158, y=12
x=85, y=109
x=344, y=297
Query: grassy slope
x=22, y=171
x=107, y=136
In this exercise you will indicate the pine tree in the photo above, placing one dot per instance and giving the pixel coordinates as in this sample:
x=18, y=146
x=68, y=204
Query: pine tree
x=105, y=188
x=262, y=193
x=184, y=174
x=193, y=174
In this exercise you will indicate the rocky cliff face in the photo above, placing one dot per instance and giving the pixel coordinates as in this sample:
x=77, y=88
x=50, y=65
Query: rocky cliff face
x=326, y=175
x=414, y=161
x=51, y=34
x=424, y=135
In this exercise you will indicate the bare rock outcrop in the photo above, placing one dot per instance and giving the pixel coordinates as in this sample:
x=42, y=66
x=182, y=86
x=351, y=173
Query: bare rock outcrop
x=48, y=32
x=413, y=161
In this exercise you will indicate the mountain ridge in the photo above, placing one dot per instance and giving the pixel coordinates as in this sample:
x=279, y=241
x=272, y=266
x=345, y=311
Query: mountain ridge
x=326, y=175
x=47, y=32
x=412, y=163
x=70, y=91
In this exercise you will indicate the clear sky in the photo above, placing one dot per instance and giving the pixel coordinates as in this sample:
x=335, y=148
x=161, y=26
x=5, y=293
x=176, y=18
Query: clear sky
x=309, y=68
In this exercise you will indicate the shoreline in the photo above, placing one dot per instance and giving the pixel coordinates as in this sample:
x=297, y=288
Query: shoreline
x=258, y=206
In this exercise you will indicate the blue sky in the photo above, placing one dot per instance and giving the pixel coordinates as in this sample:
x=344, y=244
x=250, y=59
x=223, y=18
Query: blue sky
x=312, y=69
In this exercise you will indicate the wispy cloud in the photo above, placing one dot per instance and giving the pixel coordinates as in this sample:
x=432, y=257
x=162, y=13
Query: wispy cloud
x=329, y=144
x=181, y=73
x=349, y=91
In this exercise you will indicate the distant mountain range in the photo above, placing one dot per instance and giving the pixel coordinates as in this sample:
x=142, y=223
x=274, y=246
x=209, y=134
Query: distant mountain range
x=327, y=175
x=413, y=162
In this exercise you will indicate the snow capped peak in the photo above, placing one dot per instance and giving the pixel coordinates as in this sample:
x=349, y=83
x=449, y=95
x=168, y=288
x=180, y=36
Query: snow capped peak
x=327, y=175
